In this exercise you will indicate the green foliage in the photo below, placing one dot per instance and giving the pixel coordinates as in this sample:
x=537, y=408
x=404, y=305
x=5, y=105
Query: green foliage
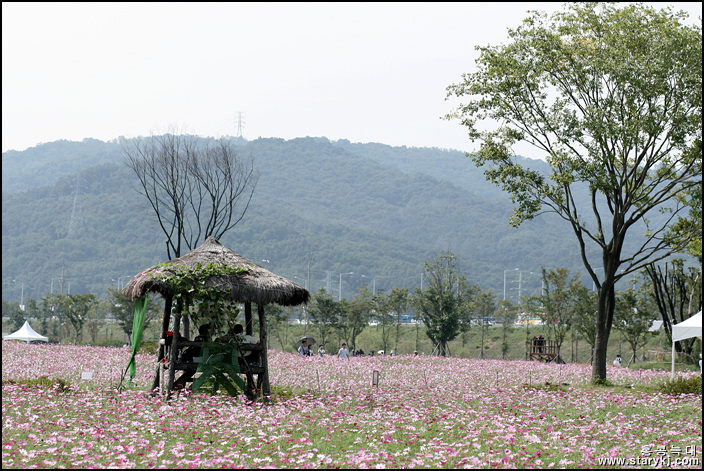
x=635, y=313
x=149, y=347
x=613, y=96
x=680, y=385
x=194, y=286
x=441, y=300
x=122, y=309
x=59, y=384
x=561, y=300
x=602, y=382
x=325, y=313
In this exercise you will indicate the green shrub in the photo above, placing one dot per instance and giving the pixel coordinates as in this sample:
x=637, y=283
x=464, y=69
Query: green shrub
x=43, y=382
x=680, y=385
x=149, y=347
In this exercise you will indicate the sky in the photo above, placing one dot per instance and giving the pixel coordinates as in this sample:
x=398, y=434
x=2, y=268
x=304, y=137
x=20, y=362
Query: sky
x=366, y=72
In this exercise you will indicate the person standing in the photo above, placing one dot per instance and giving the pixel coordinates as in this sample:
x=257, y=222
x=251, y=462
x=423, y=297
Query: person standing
x=343, y=354
x=321, y=351
x=303, y=349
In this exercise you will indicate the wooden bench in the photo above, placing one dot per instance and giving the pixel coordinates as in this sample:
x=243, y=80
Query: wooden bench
x=190, y=368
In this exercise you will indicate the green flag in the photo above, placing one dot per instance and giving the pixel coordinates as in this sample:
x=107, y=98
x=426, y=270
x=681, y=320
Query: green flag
x=140, y=311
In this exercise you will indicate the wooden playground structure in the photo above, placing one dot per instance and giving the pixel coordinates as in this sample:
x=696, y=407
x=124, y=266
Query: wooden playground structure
x=542, y=350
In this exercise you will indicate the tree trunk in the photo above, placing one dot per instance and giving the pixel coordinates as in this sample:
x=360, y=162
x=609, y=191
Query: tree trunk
x=263, y=359
x=604, y=320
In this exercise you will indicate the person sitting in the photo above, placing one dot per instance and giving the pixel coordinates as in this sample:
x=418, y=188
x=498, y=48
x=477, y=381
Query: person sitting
x=240, y=337
x=618, y=360
x=321, y=351
x=190, y=353
x=203, y=336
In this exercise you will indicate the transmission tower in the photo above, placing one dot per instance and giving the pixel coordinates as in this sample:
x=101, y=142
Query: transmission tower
x=240, y=124
x=77, y=214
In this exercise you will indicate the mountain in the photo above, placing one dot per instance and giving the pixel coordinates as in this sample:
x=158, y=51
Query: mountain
x=71, y=210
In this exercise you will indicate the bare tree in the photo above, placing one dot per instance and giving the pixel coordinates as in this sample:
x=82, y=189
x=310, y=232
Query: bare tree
x=196, y=187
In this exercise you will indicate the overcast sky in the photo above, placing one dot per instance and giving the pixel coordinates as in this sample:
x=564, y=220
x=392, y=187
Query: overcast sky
x=364, y=72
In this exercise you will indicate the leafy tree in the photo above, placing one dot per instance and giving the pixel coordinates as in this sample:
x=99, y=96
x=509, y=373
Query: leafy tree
x=355, y=316
x=634, y=316
x=505, y=312
x=277, y=322
x=383, y=313
x=16, y=315
x=467, y=308
x=439, y=303
x=94, y=320
x=585, y=314
x=76, y=307
x=612, y=97
x=485, y=306
x=32, y=309
x=122, y=309
x=558, y=298
x=55, y=323
x=681, y=230
x=324, y=312
x=398, y=304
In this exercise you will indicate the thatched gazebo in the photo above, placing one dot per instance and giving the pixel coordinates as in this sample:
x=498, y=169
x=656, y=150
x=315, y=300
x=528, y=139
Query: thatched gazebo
x=256, y=286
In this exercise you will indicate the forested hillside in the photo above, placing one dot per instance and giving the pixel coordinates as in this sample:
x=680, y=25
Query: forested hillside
x=374, y=210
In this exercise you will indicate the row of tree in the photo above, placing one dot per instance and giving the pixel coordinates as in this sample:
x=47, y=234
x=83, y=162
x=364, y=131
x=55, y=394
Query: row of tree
x=69, y=317
x=447, y=307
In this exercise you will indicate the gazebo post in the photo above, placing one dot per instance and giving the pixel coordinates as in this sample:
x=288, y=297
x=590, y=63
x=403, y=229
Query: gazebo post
x=168, y=301
x=174, y=349
x=248, y=318
x=266, y=388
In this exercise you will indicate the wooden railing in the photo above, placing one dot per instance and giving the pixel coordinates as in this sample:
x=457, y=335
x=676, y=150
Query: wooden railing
x=543, y=351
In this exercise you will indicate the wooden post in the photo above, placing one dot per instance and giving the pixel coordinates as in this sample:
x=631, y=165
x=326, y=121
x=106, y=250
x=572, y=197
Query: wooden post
x=162, y=347
x=248, y=318
x=165, y=325
x=266, y=388
x=174, y=349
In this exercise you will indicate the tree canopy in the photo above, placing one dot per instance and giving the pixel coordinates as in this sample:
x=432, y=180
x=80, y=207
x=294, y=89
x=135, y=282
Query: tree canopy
x=612, y=97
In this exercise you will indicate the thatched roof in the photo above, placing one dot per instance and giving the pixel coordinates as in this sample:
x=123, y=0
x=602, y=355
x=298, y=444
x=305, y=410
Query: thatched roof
x=259, y=285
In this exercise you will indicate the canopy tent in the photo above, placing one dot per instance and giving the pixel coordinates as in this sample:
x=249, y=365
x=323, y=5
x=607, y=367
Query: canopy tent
x=692, y=327
x=27, y=334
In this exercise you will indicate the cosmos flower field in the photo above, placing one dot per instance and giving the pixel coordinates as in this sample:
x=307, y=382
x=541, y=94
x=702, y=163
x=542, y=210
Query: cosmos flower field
x=426, y=412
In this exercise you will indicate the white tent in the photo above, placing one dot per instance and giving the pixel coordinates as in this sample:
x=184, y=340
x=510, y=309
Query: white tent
x=692, y=327
x=27, y=334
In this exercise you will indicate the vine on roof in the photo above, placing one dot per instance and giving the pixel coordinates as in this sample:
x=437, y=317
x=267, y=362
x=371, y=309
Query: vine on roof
x=190, y=285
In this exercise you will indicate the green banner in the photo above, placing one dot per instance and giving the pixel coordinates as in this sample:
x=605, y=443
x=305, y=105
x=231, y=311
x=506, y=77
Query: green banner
x=140, y=312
